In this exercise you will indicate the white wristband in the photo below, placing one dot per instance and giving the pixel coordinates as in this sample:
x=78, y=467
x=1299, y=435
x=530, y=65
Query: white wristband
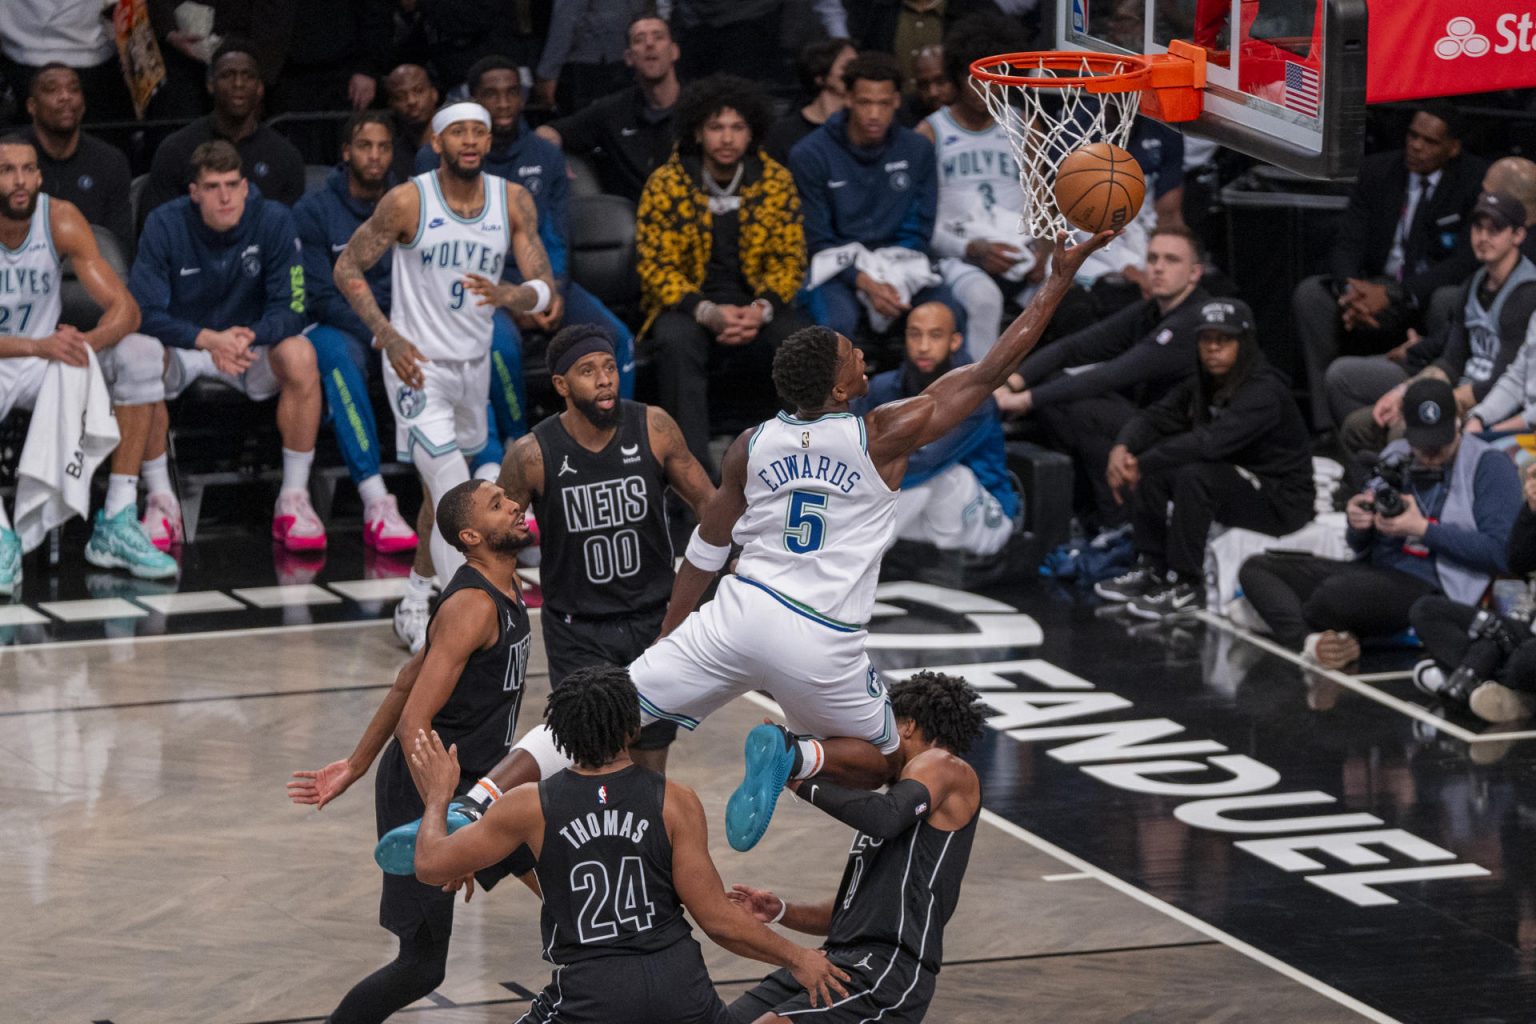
x=542, y=291
x=484, y=792
x=783, y=909
x=707, y=556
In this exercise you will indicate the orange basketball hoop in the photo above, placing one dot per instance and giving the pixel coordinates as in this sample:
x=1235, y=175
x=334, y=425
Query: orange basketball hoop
x=1052, y=102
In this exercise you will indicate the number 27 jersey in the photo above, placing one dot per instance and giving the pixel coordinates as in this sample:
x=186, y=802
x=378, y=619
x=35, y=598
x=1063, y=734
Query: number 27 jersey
x=818, y=518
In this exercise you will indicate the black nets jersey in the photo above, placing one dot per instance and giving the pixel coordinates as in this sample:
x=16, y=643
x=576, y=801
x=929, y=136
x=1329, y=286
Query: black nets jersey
x=902, y=891
x=606, y=866
x=481, y=712
x=603, y=521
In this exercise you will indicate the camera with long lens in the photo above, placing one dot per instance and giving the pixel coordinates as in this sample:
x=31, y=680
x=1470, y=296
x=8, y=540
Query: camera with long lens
x=1387, y=494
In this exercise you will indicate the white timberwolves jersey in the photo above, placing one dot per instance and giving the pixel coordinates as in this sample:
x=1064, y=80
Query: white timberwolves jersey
x=979, y=194
x=429, y=303
x=818, y=516
x=29, y=280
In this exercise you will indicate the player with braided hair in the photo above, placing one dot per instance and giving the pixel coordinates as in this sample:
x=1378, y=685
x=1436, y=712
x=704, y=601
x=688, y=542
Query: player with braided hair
x=621, y=852
x=885, y=925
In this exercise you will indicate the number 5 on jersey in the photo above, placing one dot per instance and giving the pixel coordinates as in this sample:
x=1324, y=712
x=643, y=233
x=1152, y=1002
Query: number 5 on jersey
x=805, y=528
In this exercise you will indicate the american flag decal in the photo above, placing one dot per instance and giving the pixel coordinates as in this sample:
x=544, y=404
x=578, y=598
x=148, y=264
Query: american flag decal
x=1302, y=90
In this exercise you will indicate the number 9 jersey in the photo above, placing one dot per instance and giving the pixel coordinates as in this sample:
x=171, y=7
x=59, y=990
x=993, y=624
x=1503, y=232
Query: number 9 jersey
x=818, y=517
x=429, y=304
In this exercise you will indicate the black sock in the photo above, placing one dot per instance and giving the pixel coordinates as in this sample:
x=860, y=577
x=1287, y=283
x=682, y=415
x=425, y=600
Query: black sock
x=417, y=971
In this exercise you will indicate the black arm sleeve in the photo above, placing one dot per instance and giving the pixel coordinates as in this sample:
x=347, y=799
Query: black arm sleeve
x=881, y=815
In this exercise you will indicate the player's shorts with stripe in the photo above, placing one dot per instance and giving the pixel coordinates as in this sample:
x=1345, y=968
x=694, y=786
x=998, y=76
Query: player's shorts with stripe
x=884, y=985
x=753, y=638
x=447, y=413
x=670, y=986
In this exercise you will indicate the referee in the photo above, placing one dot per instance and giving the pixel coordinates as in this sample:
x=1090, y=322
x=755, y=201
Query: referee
x=596, y=476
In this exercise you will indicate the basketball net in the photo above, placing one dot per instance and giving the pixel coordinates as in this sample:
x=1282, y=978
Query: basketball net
x=1047, y=120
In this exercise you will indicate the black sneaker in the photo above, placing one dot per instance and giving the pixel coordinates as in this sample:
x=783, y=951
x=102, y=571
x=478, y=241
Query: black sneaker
x=1128, y=586
x=1168, y=599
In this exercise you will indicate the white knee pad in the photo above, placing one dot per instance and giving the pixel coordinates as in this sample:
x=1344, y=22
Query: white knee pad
x=135, y=370
x=539, y=743
x=441, y=473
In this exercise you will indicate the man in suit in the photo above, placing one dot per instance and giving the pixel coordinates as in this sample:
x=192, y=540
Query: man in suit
x=1405, y=219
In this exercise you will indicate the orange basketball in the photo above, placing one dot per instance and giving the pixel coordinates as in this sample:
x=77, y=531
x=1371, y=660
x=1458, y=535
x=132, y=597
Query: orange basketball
x=1099, y=187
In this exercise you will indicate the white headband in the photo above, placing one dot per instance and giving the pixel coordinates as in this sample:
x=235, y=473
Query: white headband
x=459, y=112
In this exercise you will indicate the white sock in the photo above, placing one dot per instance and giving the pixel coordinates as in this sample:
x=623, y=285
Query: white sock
x=813, y=758
x=418, y=589
x=372, y=490
x=122, y=491
x=156, y=474
x=5, y=520
x=490, y=471
x=296, y=469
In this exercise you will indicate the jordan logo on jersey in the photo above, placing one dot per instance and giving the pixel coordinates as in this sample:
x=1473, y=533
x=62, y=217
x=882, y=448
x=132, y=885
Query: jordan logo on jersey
x=864, y=964
x=566, y=467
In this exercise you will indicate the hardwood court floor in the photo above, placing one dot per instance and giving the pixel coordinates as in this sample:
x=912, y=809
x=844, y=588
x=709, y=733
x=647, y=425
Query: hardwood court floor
x=155, y=872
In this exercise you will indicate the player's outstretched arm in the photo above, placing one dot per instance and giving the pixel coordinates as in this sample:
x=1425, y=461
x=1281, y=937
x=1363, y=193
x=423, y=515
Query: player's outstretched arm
x=441, y=858
x=712, y=540
x=771, y=908
x=899, y=428
x=321, y=786
x=466, y=623
x=72, y=240
x=701, y=892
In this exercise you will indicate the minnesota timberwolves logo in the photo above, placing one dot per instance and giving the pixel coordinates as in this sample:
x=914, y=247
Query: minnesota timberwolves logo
x=260, y=170
x=86, y=183
x=410, y=401
x=250, y=261
x=900, y=181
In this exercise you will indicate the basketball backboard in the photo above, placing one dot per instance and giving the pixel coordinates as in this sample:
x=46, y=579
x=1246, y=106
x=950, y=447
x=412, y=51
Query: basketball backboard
x=1285, y=79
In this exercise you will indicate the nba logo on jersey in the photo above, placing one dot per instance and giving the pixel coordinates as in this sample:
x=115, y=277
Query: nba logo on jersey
x=805, y=439
x=602, y=794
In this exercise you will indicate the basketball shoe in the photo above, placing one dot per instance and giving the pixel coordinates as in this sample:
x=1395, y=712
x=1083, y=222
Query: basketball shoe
x=384, y=530
x=10, y=562
x=771, y=753
x=162, y=521
x=295, y=523
x=121, y=543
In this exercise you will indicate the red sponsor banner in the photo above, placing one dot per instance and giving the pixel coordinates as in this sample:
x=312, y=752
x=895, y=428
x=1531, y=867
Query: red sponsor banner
x=1445, y=47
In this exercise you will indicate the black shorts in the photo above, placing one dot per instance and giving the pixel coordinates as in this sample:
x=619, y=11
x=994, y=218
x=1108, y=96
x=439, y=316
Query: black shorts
x=406, y=904
x=582, y=643
x=667, y=987
x=883, y=984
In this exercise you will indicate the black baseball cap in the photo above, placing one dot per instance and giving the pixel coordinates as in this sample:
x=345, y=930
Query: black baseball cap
x=1229, y=316
x=1429, y=414
x=1502, y=208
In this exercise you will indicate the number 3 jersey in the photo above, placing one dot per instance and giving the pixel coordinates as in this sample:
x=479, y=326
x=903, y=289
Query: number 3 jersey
x=603, y=521
x=818, y=518
x=429, y=303
x=606, y=866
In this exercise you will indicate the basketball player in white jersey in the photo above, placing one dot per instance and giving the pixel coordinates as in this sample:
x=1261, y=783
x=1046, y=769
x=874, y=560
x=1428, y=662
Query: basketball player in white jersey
x=37, y=233
x=976, y=233
x=811, y=499
x=452, y=229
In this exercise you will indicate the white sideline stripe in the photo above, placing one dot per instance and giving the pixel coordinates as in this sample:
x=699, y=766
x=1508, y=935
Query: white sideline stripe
x=190, y=603
x=1356, y=684
x=1383, y=677
x=20, y=615
x=371, y=590
x=1070, y=876
x=53, y=645
x=1085, y=869
x=93, y=609
x=289, y=595
x=1189, y=920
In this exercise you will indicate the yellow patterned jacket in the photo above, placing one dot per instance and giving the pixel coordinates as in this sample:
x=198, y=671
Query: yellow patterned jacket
x=673, y=234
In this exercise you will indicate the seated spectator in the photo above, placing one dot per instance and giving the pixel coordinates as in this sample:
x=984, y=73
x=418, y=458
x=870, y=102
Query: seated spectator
x=583, y=56
x=77, y=167
x=32, y=339
x=981, y=253
x=820, y=67
x=867, y=186
x=1472, y=352
x=1481, y=661
x=412, y=98
x=957, y=493
x=520, y=155
x=269, y=161
x=1087, y=386
x=344, y=352
x=1227, y=446
x=721, y=250
x=934, y=85
x=221, y=284
x=1459, y=496
x=1404, y=217
x=628, y=134
x=69, y=32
